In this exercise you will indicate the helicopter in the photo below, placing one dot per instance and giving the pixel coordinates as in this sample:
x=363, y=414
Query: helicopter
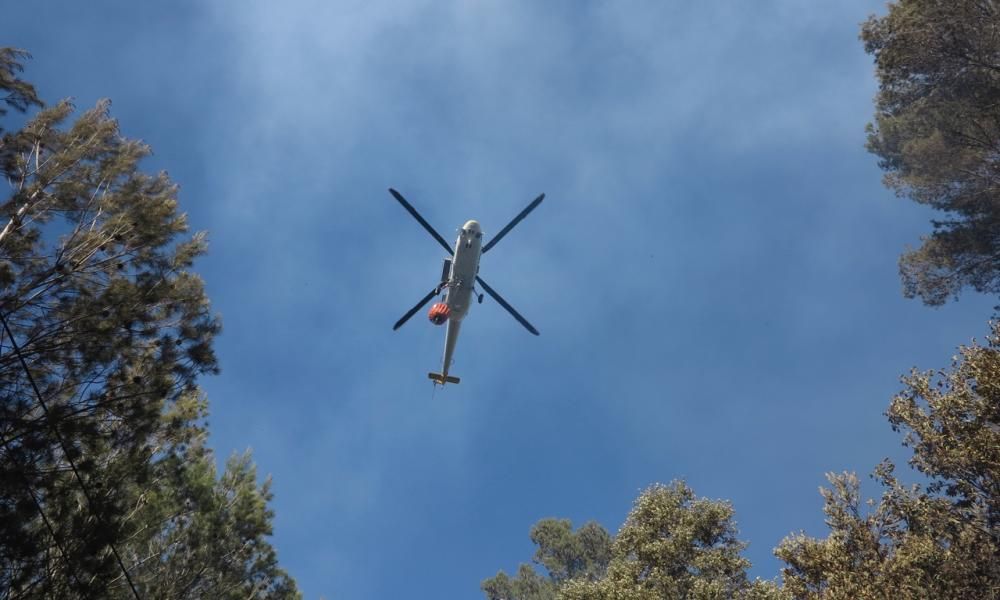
x=459, y=273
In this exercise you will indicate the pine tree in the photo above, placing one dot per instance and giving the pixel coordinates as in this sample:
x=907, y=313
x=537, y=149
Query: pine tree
x=565, y=554
x=103, y=464
x=936, y=133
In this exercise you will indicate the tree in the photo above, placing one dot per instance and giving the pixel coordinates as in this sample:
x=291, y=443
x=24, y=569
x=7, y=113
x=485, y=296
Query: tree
x=565, y=554
x=936, y=133
x=674, y=546
x=937, y=540
x=104, y=480
x=868, y=554
x=18, y=94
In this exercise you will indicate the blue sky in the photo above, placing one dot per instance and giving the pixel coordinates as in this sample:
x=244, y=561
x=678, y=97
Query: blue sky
x=713, y=270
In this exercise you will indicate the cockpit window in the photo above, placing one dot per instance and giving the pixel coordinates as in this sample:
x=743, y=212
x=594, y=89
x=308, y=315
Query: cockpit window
x=479, y=235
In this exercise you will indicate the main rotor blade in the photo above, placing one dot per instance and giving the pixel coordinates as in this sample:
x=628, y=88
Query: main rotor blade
x=421, y=220
x=504, y=304
x=414, y=310
x=517, y=219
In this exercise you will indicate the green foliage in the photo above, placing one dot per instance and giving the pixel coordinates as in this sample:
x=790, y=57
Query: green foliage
x=571, y=555
x=853, y=561
x=527, y=585
x=936, y=132
x=952, y=423
x=565, y=554
x=199, y=535
x=95, y=286
x=673, y=545
x=18, y=94
x=938, y=540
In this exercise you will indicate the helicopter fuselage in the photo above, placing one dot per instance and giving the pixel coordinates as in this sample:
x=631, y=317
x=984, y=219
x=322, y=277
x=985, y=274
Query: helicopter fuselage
x=459, y=294
x=464, y=268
